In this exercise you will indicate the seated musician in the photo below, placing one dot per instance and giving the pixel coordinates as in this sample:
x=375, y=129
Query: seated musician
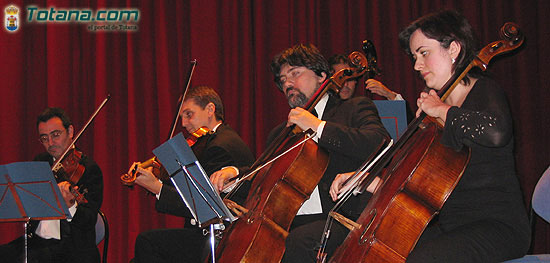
x=222, y=147
x=484, y=219
x=70, y=240
x=349, y=130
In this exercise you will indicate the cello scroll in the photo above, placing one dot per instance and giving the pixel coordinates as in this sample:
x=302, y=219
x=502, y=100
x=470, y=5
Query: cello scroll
x=511, y=38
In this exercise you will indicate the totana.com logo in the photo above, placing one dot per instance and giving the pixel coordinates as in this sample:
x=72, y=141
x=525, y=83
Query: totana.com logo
x=11, y=18
x=111, y=19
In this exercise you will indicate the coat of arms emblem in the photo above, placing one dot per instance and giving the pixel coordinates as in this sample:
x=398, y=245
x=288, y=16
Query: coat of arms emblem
x=12, y=18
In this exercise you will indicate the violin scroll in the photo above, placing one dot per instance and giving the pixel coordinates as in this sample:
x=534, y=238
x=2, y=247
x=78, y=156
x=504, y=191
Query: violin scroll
x=128, y=179
x=158, y=170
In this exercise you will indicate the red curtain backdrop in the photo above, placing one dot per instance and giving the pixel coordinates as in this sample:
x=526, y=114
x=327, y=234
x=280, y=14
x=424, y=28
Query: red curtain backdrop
x=68, y=66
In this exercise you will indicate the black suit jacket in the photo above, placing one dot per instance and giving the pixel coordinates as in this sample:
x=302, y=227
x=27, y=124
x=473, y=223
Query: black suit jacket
x=353, y=131
x=78, y=236
x=222, y=148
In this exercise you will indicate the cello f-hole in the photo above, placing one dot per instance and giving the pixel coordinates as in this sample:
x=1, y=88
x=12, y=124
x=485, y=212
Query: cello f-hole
x=253, y=213
x=372, y=215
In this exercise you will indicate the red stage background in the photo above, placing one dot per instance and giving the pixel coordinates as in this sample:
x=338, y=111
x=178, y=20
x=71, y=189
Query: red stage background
x=66, y=65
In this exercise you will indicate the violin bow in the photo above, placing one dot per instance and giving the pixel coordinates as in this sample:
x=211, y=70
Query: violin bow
x=182, y=98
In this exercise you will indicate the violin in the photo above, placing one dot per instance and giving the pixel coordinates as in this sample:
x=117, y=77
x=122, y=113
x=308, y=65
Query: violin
x=68, y=167
x=158, y=170
x=194, y=136
x=71, y=170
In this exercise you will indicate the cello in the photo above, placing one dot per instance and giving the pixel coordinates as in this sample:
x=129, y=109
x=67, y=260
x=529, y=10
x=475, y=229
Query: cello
x=410, y=194
x=280, y=187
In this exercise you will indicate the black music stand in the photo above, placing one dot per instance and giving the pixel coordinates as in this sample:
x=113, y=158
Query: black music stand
x=28, y=191
x=194, y=186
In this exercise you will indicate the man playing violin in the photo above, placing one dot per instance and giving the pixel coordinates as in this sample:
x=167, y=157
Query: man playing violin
x=221, y=147
x=70, y=240
x=349, y=130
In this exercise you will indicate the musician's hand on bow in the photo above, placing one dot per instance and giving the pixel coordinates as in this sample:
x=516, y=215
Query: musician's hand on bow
x=145, y=178
x=432, y=105
x=337, y=184
x=222, y=177
x=65, y=189
x=303, y=119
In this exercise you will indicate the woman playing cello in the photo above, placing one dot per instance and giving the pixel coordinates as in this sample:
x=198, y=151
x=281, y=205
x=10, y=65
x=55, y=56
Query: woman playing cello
x=484, y=219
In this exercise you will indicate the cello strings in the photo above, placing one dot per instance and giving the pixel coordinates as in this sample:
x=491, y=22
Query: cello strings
x=358, y=177
x=238, y=183
x=349, y=188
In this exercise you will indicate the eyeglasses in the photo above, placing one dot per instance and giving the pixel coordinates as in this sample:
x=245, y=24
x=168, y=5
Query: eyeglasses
x=45, y=138
x=293, y=74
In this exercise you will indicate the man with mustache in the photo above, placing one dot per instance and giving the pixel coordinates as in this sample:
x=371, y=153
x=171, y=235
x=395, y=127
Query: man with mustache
x=70, y=240
x=349, y=130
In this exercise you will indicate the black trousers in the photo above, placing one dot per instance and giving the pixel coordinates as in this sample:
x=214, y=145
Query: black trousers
x=170, y=245
x=38, y=250
x=304, y=238
x=41, y=250
x=302, y=243
x=482, y=241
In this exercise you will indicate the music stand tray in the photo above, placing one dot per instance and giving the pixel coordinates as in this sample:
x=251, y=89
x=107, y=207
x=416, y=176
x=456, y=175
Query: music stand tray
x=194, y=187
x=28, y=191
x=192, y=182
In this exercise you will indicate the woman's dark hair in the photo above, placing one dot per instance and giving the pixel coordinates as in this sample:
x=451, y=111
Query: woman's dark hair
x=445, y=27
x=299, y=56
